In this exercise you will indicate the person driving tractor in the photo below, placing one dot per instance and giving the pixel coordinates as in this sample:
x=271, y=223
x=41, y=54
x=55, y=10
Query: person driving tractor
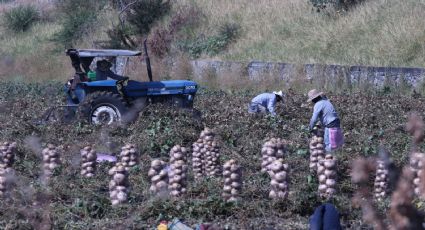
x=103, y=71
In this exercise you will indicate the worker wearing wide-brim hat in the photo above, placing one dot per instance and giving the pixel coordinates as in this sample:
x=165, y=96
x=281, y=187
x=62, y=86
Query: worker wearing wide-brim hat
x=326, y=113
x=266, y=103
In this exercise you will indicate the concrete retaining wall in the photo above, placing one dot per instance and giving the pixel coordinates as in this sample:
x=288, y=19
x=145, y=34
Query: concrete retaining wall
x=327, y=76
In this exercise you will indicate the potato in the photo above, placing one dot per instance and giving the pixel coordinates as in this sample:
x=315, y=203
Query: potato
x=330, y=164
x=122, y=196
x=272, y=194
x=234, y=176
x=236, y=185
x=282, y=194
x=330, y=191
x=416, y=181
x=119, y=178
x=320, y=169
x=330, y=173
x=113, y=194
x=330, y=182
x=322, y=188
x=283, y=186
x=227, y=188
x=281, y=176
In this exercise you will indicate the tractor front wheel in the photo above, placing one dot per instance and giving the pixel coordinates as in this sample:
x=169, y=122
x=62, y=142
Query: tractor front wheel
x=104, y=108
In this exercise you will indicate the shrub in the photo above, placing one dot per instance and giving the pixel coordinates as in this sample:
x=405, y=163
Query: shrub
x=338, y=5
x=145, y=13
x=160, y=42
x=214, y=44
x=119, y=38
x=140, y=17
x=78, y=16
x=20, y=18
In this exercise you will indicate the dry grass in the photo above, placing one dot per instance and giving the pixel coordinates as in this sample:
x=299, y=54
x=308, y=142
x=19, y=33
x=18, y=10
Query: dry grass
x=33, y=56
x=380, y=32
x=30, y=55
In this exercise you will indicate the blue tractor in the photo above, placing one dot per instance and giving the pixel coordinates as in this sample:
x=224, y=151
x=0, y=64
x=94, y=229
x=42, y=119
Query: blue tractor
x=105, y=101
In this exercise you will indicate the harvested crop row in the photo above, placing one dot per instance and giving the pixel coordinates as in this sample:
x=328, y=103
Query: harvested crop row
x=7, y=153
x=381, y=180
x=206, y=155
x=317, y=149
x=119, y=185
x=232, y=175
x=326, y=171
x=279, y=180
x=88, y=161
x=158, y=176
x=178, y=169
x=272, y=150
x=129, y=156
x=51, y=160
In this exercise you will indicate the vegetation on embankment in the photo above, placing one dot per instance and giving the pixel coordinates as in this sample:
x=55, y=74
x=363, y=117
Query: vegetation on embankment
x=375, y=32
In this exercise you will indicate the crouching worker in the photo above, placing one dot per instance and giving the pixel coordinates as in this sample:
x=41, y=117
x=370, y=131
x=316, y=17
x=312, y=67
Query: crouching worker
x=325, y=112
x=265, y=103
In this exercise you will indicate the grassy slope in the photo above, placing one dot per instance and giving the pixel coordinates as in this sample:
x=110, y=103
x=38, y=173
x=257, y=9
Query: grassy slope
x=380, y=32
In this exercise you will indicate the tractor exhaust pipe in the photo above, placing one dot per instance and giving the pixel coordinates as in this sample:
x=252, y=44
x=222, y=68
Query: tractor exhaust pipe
x=148, y=61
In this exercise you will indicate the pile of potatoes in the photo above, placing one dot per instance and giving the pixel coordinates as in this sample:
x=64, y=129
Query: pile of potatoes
x=416, y=165
x=7, y=153
x=118, y=186
x=381, y=180
x=129, y=156
x=232, y=174
x=178, y=170
x=197, y=158
x=272, y=150
x=158, y=175
x=317, y=151
x=279, y=180
x=4, y=171
x=88, y=161
x=326, y=171
x=51, y=159
x=206, y=155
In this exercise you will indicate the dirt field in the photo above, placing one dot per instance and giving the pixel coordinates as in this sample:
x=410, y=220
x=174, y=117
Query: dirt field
x=72, y=202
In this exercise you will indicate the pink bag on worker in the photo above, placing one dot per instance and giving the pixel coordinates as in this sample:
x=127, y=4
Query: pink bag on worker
x=336, y=138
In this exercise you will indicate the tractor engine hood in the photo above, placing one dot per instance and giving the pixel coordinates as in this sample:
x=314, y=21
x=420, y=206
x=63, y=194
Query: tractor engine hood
x=137, y=89
x=154, y=88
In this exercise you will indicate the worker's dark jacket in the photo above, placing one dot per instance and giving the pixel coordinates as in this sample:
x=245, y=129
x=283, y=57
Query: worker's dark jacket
x=104, y=75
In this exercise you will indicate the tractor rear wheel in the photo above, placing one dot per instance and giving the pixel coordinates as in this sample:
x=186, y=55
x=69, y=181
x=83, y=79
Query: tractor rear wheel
x=104, y=108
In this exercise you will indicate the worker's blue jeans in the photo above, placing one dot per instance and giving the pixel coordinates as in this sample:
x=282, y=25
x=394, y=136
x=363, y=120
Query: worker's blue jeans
x=325, y=216
x=72, y=95
x=256, y=108
x=326, y=140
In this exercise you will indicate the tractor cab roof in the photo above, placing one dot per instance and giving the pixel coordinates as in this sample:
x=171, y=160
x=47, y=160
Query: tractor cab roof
x=101, y=53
